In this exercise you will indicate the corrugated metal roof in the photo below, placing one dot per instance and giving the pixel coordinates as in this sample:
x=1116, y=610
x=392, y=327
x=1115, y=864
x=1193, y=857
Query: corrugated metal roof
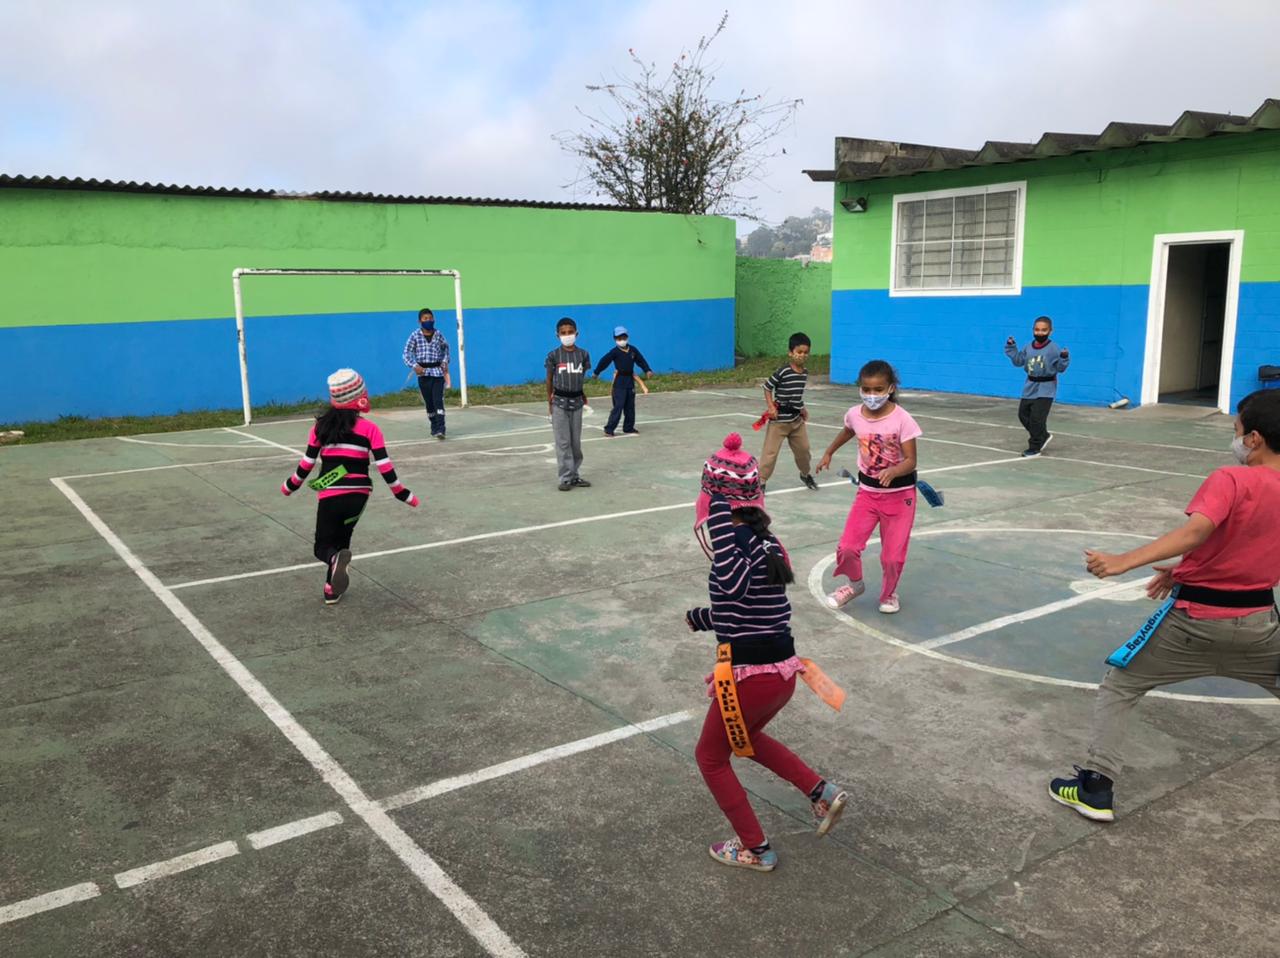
x=121, y=186
x=861, y=159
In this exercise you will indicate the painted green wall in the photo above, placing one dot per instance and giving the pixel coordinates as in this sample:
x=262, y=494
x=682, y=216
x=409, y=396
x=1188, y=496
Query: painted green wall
x=778, y=297
x=1091, y=218
x=90, y=257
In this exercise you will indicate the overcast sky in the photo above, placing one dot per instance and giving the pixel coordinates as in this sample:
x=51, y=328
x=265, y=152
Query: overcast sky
x=463, y=98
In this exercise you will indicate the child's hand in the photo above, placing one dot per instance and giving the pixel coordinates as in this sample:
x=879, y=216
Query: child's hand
x=824, y=462
x=448, y=381
x=804, y=413
x=688, y=621
x=1063, y=353
x=1011, y=341
x=1161, y=583
x=887, y=477
x=1104, y=564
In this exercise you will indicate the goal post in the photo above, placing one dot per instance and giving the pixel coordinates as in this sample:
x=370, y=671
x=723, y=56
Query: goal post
x=237, y=274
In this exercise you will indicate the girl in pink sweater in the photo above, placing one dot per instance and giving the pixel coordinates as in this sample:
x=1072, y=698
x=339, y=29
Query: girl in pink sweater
x=343, y=441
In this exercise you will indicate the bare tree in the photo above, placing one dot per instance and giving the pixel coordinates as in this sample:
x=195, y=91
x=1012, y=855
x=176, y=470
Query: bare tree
x=668, y=144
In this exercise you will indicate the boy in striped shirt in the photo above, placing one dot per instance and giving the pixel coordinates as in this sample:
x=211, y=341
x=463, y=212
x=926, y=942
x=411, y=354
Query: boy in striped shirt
x=784, y=405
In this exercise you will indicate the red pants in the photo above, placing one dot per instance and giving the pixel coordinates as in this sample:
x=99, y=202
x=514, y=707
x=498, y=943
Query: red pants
x=895, y=513
x=761, y=698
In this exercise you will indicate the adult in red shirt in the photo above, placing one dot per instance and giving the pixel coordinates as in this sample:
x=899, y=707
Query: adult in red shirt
x=1223, y=618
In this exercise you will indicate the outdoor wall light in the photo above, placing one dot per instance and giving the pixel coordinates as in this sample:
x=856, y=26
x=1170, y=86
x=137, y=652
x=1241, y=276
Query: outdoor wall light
x=858, y=205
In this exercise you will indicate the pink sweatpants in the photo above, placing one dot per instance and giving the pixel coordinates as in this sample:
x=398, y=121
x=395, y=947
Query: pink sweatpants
x=761, y=698
x=895, y=513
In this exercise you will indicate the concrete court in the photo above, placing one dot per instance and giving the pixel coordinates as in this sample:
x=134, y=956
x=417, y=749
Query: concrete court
x=126, y=744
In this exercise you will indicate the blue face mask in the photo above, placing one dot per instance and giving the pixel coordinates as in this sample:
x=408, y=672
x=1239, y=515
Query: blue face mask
x=428, y=330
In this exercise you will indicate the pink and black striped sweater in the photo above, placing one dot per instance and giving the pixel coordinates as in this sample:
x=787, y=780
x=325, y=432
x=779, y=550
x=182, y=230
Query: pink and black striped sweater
x=351, y=455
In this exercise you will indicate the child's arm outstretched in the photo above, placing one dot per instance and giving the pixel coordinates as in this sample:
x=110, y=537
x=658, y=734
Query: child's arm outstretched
x=605, y=360
x=1016, y=355
x=1179, y=542
x=305, y=465
x=844, y=436
x=378, y=448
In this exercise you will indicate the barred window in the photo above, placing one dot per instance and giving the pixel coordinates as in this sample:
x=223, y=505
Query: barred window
x=958, y=240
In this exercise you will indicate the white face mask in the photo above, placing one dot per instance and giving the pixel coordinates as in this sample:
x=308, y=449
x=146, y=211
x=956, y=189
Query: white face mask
x=874, y=401
x=568, y=339
x=1240, y=450
x=622, y=343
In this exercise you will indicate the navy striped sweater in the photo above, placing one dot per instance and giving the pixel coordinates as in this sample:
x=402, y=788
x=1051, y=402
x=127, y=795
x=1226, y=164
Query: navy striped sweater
x=748, y=613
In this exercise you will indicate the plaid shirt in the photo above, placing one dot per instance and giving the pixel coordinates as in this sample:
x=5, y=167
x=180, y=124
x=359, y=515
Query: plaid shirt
x=419, y=351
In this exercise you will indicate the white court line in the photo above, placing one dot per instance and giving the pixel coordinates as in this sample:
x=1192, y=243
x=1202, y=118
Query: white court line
x=472, y=917
x=173, y=465
x=305, y=826
x=822, y=565
x=444, y=785
x=185, y=445
x=49, y=901
x=269, y=442
x=182, y=863
x=294, y=829
x=520, y=412
x=522, y=530
x=1049, y=608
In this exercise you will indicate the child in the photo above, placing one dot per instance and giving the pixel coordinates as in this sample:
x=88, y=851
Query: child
x=567, y=366
x=1044, y=360
x=751, y=617
x=343, y=441
x=886, y=485
x=784, y=405
x=625, y=359
x=428, y=354
x=1220, y=617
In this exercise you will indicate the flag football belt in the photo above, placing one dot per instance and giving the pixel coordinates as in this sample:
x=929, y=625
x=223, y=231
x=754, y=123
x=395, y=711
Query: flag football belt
x=566, y=394
x=320, y=483
x=902, y=482
x=791, y=412
x=1201, y=595
x=1042, y=379
x=726, y=693
x=430, y=365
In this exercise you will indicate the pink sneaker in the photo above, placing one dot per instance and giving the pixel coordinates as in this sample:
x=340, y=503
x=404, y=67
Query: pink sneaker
x=845, y=594
x=890, y=605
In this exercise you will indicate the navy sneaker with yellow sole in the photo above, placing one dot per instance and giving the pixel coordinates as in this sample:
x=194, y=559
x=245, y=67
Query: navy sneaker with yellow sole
x=1089, y=793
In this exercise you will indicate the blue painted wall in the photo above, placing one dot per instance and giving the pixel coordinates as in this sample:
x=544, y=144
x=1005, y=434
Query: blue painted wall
x=956, y=343
x=119, y=369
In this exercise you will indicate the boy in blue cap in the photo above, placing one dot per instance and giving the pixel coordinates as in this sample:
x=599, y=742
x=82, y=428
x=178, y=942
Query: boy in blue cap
x=625, y=359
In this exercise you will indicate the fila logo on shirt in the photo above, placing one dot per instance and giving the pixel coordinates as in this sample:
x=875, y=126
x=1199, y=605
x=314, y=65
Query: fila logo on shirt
x=571, y=368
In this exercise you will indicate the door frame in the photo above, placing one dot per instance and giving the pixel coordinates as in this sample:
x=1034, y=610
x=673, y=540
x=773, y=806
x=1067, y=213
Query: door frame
x=1156, y=304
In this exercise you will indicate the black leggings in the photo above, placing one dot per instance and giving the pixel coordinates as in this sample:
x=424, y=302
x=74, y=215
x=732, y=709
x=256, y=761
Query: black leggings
x=336, y=518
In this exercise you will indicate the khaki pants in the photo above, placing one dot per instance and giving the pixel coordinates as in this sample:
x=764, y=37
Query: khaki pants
x=797, y=437
x=1245, y=648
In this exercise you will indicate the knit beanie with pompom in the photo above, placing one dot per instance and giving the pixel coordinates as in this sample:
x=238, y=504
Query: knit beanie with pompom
x=733, y=473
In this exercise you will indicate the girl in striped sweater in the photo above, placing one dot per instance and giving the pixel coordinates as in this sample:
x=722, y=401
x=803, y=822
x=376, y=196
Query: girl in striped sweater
x=343, y=441
x=751, y=617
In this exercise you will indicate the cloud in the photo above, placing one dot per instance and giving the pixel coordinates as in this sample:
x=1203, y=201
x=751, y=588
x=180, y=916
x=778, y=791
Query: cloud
x=463, y=99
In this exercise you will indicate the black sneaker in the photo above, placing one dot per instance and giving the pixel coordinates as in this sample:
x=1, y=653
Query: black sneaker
x=810, y=482
x=1031, y=454
x=565, y=486
x=338, y=578
x=579, y=482
x=1089, y=793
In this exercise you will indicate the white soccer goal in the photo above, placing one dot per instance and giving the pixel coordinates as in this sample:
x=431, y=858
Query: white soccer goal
x=244, y=355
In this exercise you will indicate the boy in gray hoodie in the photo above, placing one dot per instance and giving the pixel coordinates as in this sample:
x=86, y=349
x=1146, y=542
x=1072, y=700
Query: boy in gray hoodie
x=1044, y=360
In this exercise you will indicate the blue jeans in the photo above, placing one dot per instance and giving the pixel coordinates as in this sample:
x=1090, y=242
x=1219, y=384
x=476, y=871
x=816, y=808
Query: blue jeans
x=432, y=389
x=624, y=407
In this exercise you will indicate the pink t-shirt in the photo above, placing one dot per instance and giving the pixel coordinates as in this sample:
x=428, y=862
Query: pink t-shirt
x=1243, y=550
x=880, y=440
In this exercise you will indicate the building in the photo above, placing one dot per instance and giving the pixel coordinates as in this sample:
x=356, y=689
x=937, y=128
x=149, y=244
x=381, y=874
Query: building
x=118, y=296
x=1155, y=249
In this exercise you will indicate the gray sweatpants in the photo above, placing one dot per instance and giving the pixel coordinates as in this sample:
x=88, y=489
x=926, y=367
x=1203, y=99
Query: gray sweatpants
x=567, y=426
x=1246, y=648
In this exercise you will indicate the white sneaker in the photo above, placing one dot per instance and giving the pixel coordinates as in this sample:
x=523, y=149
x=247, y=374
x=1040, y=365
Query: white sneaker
x=890, y=605
x=1047, y=439
x=845, y=594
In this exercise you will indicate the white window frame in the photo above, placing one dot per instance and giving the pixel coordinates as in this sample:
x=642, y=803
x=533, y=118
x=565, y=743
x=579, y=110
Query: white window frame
x=1020, y=186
